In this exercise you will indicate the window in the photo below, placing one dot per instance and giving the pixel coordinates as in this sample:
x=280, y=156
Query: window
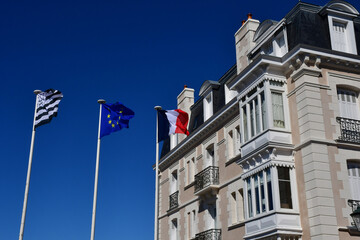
x=276, y=46
x=269, y=189
x=208, y=106
x=209, y=161
x=233, y=143
x=190, y=170
x=173, y=183
x=229, y=94
x=284, y=187
x=236, y=204
x=354, y=179
x=280, y=45
x=342, y=35
x=339, y=36
x=249, y=197
x=174, y=229
x=210, y=222
x=263, y=107
x=191, y=224
x=278, y=109
x=268, y=48
x=253, y=115
x=259, y=193
x=348, y=103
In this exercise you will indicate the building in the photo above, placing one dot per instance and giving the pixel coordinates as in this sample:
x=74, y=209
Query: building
x=274, y=149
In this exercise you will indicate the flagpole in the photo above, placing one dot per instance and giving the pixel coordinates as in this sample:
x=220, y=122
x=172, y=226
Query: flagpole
x=100, y=101
x=156, y=176
x=23, y=216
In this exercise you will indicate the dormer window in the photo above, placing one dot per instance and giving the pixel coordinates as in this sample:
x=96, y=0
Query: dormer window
x=342, y=35
x=341, y=26
x=280, y=45
x=275, y=46
x=270, y=39
x=208, y=106
x=268, y=48
x=207, y=92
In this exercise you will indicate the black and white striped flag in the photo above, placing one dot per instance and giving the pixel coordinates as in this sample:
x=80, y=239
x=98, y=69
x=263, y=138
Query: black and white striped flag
x=47, y=106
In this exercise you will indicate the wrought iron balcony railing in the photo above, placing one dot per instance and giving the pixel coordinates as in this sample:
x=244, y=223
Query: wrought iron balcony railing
x=207, y=177
x=354, y=204
x=350, y=130
x=173, y=200
x=212, y=234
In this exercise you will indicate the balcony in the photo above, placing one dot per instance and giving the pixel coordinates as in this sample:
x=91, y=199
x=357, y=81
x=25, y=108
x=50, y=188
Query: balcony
x=173, y=200
x=207, y=180
x=349, y=130
x=212, y=234
x=354, y=204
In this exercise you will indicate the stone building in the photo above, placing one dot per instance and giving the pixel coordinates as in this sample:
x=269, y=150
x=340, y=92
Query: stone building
x=274, y=144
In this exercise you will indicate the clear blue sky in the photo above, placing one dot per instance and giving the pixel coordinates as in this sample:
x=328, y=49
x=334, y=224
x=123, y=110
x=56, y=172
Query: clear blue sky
x=138, y=52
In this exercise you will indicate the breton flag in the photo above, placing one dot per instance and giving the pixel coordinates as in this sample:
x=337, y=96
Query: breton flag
x=47, y=106
x=170, y=122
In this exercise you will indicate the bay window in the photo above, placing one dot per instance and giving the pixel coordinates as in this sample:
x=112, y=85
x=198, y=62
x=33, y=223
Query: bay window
x=262, y=108
x=253, y=114
x=259, y=187
x=260, y=194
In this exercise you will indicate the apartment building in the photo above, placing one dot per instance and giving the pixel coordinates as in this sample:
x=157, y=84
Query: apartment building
x=274, y=144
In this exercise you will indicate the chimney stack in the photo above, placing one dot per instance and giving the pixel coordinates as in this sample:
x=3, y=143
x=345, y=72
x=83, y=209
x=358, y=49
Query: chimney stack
x=244, y=41
x=184, y=101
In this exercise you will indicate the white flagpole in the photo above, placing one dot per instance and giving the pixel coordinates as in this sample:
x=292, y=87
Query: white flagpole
x=156, y=176
x=22, y=226
x=100, y=101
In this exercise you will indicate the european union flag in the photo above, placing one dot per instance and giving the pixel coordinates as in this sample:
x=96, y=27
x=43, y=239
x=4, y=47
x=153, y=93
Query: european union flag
x=114, y=117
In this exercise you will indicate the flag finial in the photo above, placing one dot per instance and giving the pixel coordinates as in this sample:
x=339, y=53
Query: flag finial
x=157, y=107
x=37, y=92
x=101, y=101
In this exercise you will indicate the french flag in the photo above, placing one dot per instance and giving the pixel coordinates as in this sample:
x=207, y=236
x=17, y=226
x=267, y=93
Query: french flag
x=170, y=122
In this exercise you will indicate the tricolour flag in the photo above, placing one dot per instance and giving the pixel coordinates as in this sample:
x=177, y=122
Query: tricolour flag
x=47, y=106
x=170, y=122
x=114, y=117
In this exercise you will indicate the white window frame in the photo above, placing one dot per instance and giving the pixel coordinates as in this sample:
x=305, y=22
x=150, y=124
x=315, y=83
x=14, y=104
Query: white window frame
x=208, y=102
x=233, y=140
x=348, y=109
x=349, y=34
x=237, y=206
x=174, y=181
x=275, y=193
x=266, y=119
x=174, y=226
x=248, y=115
x=353, y=168
x=272, y=46
x=190, y=169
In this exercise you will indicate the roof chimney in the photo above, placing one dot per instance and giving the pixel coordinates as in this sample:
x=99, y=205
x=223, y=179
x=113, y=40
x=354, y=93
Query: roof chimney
x=184, y=101
x=244, y=41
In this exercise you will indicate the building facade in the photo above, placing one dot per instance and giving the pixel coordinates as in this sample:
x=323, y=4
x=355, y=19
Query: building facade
x=274, y=144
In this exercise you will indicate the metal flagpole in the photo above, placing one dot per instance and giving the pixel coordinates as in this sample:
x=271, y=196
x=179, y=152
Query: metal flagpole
x=156, y=176
x=22, y=226
x=100, y=101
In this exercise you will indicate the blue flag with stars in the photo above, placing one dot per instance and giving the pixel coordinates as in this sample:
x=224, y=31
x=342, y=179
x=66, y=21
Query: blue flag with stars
x=114, y=117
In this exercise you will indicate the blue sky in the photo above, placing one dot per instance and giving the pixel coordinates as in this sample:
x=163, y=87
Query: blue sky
x=141, y=53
